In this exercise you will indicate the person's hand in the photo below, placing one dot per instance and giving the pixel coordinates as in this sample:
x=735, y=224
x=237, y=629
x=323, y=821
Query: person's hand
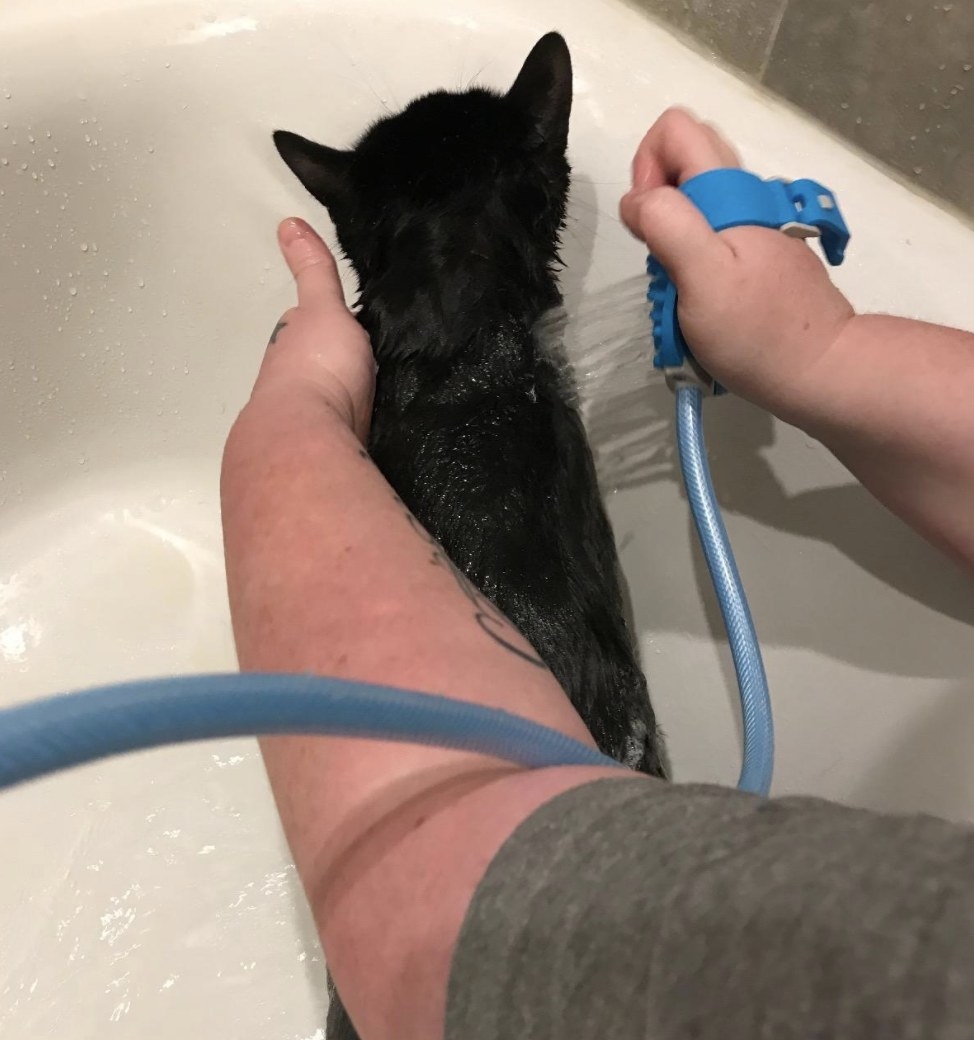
x=757, y=308
x=318, y=346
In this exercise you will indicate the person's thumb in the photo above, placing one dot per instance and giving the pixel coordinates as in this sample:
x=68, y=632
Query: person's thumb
x=675, y=231
x=310, y=261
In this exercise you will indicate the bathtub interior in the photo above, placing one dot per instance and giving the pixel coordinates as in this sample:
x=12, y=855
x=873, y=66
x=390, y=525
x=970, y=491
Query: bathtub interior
x=138, y=195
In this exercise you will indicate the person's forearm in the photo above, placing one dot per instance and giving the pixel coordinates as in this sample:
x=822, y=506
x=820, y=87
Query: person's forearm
x=892, y=399
x=334, y=558
x=327, y=573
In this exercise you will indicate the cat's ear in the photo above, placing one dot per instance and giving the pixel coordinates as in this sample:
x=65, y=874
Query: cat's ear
x=324, y=171
x=543, y=89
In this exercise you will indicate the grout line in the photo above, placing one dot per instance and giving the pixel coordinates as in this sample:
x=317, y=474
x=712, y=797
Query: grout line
x=772, y=40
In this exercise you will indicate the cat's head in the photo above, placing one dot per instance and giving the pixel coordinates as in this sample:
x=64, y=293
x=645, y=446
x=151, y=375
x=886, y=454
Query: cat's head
x=452, y=176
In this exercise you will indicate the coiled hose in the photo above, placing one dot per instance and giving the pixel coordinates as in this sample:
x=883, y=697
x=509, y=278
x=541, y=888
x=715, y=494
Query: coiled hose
x=757, y=763
x=71, y=729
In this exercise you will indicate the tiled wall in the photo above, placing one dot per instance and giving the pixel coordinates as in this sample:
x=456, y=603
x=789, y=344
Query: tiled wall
x=894, y=76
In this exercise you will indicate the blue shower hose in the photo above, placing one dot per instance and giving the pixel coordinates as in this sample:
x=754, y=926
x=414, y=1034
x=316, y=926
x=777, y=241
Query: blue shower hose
x=55, y=733
x=757, y=760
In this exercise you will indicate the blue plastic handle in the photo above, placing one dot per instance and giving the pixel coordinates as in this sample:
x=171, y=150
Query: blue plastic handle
x=737, y=198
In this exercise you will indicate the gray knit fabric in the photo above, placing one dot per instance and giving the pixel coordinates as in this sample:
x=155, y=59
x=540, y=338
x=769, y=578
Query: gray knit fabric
x=635, y=910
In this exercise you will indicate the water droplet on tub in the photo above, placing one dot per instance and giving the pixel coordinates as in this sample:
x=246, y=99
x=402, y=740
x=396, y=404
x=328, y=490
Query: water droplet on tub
x=73, y=291
x=141, y=283
x=4, y=161
x=84, y=247
x=51, y=163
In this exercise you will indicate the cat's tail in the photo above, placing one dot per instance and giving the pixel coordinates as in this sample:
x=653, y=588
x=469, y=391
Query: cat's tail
x=645, y=750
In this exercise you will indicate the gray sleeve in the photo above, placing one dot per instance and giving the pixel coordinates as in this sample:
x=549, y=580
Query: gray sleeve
x=634, y=910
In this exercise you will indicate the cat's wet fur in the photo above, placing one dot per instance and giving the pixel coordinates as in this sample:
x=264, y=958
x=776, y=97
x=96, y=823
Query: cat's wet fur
x=450, y=212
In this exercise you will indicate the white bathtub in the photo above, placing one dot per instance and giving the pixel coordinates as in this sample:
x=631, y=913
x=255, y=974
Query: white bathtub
x=153, y=897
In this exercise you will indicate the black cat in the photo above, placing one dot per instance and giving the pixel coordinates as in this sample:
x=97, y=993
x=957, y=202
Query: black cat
x=450, y=212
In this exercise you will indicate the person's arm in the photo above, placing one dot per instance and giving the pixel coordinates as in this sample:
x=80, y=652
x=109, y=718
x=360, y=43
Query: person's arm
x=894, y=401
x=891, y=398
x=327, y=573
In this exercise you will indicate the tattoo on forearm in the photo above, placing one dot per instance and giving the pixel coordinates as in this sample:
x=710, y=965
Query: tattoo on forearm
x=277, y=328
x=491, y=621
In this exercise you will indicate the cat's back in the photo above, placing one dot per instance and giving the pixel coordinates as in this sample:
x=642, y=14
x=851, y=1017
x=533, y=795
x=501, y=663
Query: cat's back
x=490, y=454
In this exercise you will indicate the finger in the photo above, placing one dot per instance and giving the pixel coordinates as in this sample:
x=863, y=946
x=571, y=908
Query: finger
x=314, y=268
x=675, y=231
x=676, y=147
x=722, y=147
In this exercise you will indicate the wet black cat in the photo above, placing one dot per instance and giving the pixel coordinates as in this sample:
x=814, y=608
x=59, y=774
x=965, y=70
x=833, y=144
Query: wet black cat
x=450, y=212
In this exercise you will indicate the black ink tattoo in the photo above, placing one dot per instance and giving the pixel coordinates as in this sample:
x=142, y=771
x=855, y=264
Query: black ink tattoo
x=277, y=328
x=491, y=621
